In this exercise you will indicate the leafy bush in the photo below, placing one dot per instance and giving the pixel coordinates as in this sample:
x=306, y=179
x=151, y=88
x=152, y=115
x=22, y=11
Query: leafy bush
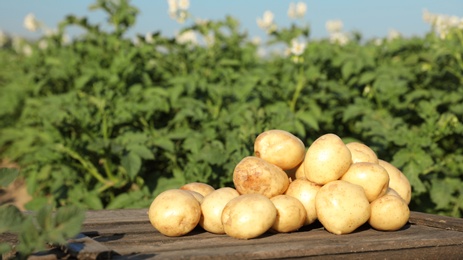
x=107, y=122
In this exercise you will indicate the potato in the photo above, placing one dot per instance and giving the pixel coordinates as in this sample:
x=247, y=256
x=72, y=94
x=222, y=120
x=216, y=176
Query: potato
x=212, y=207
x=253, y=175
x=398, y=181
x=391, y=191
x=305, y=191
x=362, y=153
x=199, y=187
x=296, y=173
x=371, y=176
x=300, y=174
x=280, y=148
x=389, y=213
x=197, y=196
x=291, y=214
x=174, y=212
x=327, y=159
x=342, y=207
x=248, y=216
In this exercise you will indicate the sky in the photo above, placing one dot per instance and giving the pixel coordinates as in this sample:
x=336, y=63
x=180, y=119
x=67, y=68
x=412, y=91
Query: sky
x=370, y=18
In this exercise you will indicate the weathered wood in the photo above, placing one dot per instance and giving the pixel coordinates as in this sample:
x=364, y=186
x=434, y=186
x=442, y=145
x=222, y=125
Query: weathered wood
x=83, y=247
x=129, y=233
x=443, y=222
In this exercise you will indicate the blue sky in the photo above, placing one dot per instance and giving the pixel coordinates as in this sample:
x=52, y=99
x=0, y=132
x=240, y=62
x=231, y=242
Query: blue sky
x=371, y=18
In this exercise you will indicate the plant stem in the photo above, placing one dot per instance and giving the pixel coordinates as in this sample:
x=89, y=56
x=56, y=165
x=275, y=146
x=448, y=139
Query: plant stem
x=299, y=86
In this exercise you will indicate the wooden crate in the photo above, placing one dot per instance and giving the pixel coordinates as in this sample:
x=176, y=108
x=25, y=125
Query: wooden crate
x=127, y=234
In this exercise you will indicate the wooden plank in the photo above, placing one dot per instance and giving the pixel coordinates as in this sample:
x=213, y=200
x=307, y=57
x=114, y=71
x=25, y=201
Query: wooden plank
x=127, y=233
x=443, y=222
x=83, y=247
x=311, y=241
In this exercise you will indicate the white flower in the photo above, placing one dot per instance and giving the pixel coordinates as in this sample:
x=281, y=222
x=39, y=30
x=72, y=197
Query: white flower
x=43, y=44
x=256, y=40
x=27, y=50
x=334, y=26
x=393, y=34
x=201, y=22
x=266, y=22
x=184, y=4
x=65, y=39
x=173, y=6
x=3, y=38
x=378, y=41
x=209, y=39
x=428, y=17
x=339, y=38
x=297, y=10
x=30, y=23
x=149, y=37
x=178, y=9
x=297, y=48
x=188, y=36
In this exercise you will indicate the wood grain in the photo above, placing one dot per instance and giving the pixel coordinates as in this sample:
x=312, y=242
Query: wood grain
x=129, y=233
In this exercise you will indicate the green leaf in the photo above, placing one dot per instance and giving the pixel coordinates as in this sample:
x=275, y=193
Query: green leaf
x=132, y=164
x=30, y=239
x=5, y=248
x=308, y=118
x=10, y=219
x=7, y=176
x=68, y=221
x=44, y=217
x=141, y=151
x=164, y=143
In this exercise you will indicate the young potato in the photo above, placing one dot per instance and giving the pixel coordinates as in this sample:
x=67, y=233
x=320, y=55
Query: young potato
x=362, y=153
x=199, y=187
x=212, y=207
x=174, y=212
x=371, y=176
x=253, y=175
x=197, y=196
x=389, y=213
x=248, y=216
x=296, y=173
x=305, y=191
x=300, y=174
x=280, y=148
x=398, y=181
x=342, y=207
x=291, y=214
x=327, y=159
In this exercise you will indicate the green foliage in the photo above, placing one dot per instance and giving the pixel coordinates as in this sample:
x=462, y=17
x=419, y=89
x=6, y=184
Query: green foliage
x=106, y=122
x=35, y=231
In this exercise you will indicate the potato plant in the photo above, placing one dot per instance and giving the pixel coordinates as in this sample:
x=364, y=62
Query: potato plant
x=104, y=121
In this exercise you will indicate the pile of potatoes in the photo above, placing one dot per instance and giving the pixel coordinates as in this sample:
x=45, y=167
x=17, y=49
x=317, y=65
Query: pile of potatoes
x=285, y=186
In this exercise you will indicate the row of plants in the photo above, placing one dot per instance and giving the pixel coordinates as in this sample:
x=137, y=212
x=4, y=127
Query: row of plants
x=103, y=121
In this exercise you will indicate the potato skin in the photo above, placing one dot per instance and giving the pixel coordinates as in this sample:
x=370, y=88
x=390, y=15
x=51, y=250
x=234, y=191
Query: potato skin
x=199, y=187
x=342, y=207
x=280, y=148
x=327, y=159
x=362, y=153
x=253, y=175
x=212, y=207
x=371, y=176
x=398, y=181
x=305, y=191
x=389, y=213
x=248, y=216
x=174, y=212
x=291, y=214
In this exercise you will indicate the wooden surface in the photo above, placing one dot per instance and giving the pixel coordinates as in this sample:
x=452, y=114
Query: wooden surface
x=127, y=234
